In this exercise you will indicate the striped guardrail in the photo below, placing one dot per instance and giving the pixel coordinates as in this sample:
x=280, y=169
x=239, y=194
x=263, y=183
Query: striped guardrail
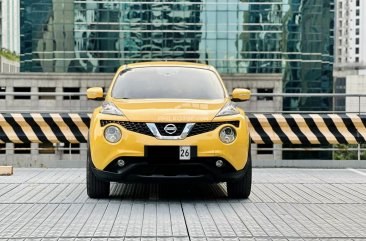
x=308, y=128
x=264, y=128
x=44, y=127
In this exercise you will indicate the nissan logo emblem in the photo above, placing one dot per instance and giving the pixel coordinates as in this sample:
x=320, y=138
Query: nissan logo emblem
x=170, y=129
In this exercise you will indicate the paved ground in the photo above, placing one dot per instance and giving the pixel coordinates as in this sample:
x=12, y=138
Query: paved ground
x=286, y=204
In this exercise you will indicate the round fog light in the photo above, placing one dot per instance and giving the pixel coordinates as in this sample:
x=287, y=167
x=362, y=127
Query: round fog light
x=227, y=135
x=219, y=163
x=121, y=163
x=112, y=134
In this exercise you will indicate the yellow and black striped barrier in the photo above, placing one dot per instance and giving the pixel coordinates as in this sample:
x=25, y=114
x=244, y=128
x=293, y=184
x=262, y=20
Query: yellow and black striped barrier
x=265, y=128
x=308, y=128
x=44, y=127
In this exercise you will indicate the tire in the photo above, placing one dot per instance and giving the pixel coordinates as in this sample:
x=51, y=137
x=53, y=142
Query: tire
x=241, y=188
x=95, y=188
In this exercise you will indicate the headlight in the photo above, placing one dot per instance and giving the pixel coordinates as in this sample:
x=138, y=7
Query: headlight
x=227, y=135
x=228, y=109
x=112, y=134
x=110, y=109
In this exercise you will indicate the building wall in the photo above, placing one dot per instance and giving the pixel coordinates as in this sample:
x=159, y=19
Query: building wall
x=350, y=53
x=9, y=34
x=292, y=37
x=44, y=82
x=356, y=84
x=8, y=66
x=350, y=34
x=10, y=25
x=1, y=23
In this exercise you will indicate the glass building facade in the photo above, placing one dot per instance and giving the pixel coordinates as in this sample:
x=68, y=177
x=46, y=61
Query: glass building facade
x=292, y=37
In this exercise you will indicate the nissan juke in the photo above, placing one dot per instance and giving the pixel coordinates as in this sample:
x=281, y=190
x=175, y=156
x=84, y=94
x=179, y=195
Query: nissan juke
x=164, y=122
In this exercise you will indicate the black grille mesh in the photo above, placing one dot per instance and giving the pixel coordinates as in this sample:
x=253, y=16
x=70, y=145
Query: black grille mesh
x=200, y=128
x=141, y=127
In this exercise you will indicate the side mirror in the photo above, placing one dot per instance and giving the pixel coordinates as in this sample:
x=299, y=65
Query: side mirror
x=240, y=95
x=95, y=93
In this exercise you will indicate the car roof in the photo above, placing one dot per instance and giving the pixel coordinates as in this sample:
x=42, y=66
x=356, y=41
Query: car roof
x=168, y=63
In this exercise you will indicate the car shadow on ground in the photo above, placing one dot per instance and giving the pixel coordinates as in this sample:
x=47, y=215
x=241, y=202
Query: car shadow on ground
x=168, y=192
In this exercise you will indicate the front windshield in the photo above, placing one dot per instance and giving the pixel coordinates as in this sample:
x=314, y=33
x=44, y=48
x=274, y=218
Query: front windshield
x=168, y=82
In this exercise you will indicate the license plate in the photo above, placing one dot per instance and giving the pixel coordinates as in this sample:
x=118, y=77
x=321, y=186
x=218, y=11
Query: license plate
x=184, y=153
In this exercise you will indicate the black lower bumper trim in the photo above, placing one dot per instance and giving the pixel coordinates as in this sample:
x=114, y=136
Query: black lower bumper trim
x=146, y=172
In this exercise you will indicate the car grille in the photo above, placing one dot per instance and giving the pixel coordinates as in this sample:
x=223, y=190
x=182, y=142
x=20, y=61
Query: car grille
x=200, y=128
x=161, y=126
x=141, y=127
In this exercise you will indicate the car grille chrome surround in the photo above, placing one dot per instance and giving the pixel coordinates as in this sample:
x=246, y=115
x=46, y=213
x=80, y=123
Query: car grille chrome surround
x=184, y=130
x=179, y=126
x=154, y=129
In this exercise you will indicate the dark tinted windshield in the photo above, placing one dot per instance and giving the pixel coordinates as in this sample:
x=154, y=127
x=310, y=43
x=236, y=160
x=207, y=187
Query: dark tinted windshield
x=168, y=82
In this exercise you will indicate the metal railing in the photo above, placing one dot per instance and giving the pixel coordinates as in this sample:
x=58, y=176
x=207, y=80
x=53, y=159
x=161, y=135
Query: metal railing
x=82, y=96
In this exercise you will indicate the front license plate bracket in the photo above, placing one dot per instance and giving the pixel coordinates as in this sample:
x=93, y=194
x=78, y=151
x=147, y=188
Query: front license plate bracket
x=169, y=153
x=185, y=153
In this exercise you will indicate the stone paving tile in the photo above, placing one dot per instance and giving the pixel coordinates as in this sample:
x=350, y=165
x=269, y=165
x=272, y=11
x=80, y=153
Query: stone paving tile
x=285, y=204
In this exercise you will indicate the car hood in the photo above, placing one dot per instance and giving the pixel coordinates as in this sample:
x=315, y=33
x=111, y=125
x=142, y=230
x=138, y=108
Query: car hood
x=170, y=110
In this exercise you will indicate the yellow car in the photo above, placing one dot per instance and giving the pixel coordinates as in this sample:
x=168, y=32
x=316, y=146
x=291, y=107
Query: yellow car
x=168, y=122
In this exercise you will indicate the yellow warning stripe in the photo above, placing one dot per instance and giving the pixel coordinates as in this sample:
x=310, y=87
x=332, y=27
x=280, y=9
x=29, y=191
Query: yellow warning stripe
x=305, y=129
x=343, y=129
x=80, y=124
x=46, y=129
x=357, y=122
x=319, y=121
x=9, y=131
x=64, y=128
x=26, y=128
x=256, y=138
x=268, y=129
x=286, y=129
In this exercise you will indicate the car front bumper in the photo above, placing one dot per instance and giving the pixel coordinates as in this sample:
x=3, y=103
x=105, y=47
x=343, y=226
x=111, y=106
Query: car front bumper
x=141, y=170
x=133, y=145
